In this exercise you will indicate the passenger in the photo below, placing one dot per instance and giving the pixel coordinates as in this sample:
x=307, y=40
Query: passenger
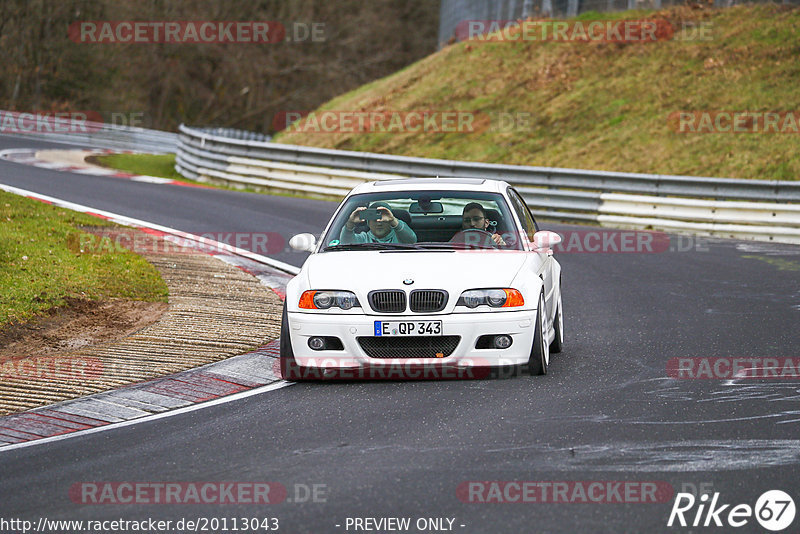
x=387, y=229
x=474, y=218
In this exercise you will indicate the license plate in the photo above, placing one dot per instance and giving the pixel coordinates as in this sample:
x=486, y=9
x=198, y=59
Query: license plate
x=408, y=328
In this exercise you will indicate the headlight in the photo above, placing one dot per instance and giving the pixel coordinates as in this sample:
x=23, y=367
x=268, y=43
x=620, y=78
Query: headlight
x=323, y=300
x=494, y=298
x=471, y=299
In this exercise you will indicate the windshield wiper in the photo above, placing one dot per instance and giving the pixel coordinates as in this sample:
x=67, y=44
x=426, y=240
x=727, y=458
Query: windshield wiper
x=454, y=246
x=408, y=246
x=371, y=246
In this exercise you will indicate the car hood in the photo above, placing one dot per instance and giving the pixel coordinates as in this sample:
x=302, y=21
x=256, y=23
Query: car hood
x=429, y=270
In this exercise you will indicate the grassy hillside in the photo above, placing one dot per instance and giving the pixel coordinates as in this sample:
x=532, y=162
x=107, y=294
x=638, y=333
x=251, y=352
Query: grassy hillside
x=602, y=105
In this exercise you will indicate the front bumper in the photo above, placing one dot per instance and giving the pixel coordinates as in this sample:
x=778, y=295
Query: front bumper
x=468, y=326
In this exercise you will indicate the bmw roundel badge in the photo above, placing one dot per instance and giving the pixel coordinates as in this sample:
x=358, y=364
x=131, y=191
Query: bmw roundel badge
x=408, y=281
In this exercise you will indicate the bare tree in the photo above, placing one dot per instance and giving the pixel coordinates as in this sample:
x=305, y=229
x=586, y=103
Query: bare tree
x=225, y=84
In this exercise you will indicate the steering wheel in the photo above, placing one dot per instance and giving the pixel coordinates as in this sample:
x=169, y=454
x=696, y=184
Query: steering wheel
x=474, y=236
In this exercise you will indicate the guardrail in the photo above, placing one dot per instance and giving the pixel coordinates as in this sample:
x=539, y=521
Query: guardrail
x=88, y=133
x=749, y=209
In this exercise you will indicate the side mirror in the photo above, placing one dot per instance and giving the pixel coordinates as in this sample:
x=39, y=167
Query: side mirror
x=545, y=240
x=303, y=242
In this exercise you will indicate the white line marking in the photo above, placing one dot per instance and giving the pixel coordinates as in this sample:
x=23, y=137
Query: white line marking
x=51, y=165
x=150, y=179
x=96, y=171
x=4, y=154
x=113, y=426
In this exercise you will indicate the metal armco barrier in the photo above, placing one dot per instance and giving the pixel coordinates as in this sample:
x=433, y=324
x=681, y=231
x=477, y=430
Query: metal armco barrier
x=745, y=209
x=97, y=135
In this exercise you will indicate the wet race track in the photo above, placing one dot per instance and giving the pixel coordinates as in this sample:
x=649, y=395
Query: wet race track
x=618, y=426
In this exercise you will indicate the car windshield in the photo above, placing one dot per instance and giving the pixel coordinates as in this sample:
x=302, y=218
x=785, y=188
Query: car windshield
x=423, y=220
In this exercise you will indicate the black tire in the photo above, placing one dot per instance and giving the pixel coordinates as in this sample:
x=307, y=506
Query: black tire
x=540, y=351
x=289, y=369
x=558, y=326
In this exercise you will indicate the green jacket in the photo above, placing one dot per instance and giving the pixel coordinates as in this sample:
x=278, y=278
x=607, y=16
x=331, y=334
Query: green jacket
x=399, y=234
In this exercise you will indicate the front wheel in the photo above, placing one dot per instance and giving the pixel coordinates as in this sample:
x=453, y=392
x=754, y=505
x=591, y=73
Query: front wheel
x=289, y=368
x=558, y=327
x=540, y=351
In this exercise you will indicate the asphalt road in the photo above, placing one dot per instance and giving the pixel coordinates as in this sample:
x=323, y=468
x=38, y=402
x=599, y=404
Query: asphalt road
x=607, y=410
x=195, y=210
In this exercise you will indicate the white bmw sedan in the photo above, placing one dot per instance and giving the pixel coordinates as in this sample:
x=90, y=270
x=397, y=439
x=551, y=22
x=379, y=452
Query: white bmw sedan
x=424, y=278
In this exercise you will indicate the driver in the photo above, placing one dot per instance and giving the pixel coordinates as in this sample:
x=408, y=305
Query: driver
x=474, y=218
x=387, y=229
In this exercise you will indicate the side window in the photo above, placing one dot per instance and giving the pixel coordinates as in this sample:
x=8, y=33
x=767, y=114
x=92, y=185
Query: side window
x=523, y=213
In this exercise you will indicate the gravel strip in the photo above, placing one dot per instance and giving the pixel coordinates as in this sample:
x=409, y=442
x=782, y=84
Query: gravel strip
x=215, y=311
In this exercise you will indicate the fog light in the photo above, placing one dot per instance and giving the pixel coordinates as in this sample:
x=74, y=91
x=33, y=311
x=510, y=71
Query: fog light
x=502, y=342
x=316, y=343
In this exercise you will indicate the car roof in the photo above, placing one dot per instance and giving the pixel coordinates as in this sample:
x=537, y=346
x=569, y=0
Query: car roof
x=431, y=183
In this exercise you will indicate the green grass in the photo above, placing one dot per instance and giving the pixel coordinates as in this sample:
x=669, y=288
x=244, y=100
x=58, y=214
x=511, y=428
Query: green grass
x=39, y=269
x=161, y=165
x=602, y=105
x=779, y=263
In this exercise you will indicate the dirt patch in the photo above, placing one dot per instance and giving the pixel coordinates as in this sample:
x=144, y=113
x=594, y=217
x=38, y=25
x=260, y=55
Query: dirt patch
x=80, y=324
x=215, y=311
x=96, y=160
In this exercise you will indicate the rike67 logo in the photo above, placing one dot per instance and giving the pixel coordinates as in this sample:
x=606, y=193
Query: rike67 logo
x=774, y=510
